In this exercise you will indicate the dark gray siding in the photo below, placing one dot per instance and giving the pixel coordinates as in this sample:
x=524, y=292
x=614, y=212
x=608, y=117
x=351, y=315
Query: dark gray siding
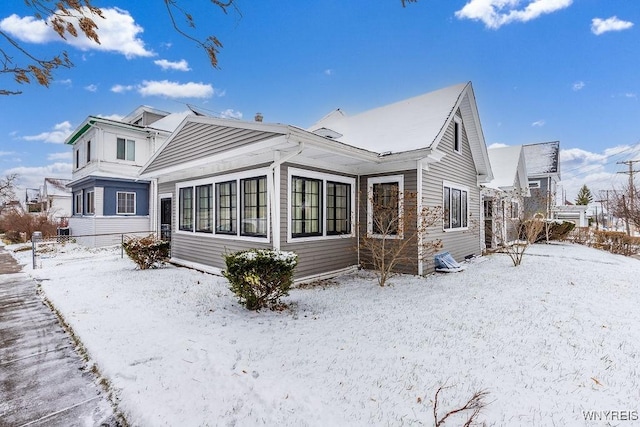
x=410, y=264
x=456, y=168
x=317, y=256
x=538, y=202
x=200, y=140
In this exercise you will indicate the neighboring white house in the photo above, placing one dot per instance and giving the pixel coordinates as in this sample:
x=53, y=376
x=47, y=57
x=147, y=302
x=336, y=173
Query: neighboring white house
x=108, y=198
x=503, y=197
x=56, y=201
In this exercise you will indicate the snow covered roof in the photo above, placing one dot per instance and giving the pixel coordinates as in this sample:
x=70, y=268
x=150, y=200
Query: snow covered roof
x=543, y=158
x=56, y=187
x=509, y=168
x=406, y=125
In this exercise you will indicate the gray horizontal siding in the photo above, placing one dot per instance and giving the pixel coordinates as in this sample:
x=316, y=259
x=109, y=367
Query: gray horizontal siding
x=205, y=249
x=457, y=169
x=199, y=140
x=318, y=256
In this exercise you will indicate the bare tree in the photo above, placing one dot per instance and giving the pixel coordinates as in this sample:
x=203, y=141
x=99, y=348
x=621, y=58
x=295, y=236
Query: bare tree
x=397, y=232
x=7, y=190
x=71, y=18
x=625, y=204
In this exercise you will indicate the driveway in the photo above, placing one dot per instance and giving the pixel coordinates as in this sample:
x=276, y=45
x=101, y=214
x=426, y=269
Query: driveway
x=43, y=381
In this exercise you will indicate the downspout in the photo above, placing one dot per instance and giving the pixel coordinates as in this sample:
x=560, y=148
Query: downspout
x=275, y=188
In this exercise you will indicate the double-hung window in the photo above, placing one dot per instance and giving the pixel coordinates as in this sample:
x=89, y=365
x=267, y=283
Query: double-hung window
x=91, y=204
x=126, y=149
x=79, y=204
x=185, y=219
x=338, y=208
x=454, y=202
x=204, y=208
x=226, y=216
x=125, y=203
x=254, y=207
x=306, y=218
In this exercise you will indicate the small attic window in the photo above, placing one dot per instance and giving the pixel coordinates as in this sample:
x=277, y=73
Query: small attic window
x=457, y=135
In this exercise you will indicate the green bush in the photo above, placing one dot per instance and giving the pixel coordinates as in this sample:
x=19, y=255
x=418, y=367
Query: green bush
x=260, y=277
x=147, y=252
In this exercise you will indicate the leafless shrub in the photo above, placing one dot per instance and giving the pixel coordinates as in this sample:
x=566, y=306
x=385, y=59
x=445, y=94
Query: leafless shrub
x=473, y=406
x=396, y=231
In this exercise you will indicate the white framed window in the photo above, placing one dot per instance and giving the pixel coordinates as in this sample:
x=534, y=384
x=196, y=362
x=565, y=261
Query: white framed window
x=126, y=149
x=384, y=206
x=77, y=158
x=457, y=135
x=233, y=206
x=534, y=184
x=91, y=202
x=455, y=202
x=515, y=209
x=125, y=203
x=78, y=203
x=321, y=205
x=88, y=151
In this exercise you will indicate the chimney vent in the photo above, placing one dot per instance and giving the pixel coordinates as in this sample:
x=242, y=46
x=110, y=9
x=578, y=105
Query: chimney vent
x=258, y=117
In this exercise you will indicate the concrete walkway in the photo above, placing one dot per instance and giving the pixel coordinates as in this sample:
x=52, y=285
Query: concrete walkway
x=43, y=381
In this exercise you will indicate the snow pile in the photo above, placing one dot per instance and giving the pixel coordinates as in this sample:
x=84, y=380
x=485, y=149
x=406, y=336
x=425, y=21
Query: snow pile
x=548, y=340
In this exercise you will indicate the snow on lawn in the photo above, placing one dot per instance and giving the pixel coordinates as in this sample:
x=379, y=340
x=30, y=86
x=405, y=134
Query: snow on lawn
x=550, y=339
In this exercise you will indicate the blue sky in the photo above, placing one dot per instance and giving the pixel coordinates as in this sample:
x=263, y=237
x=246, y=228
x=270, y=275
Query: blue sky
x=542, y=70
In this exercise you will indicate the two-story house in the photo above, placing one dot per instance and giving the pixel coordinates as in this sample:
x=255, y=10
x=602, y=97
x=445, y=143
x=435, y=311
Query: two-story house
x=108, y=198
x=543, y=170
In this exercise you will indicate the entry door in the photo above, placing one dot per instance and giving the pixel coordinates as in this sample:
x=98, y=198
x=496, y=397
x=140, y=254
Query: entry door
x=165, y=218
x=488, y=223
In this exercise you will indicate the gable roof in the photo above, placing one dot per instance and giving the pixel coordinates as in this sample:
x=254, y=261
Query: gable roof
x=412, y=124
x=509, y=169
x=543, y=159
x=56, y=187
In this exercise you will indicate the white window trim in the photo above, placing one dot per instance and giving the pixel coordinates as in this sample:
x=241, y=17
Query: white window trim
x=324, y=177
x=534, y=184
x=79, y=207
x=454, y=186
x=91, y=194
x=126, y=139
x=381, y=180
x=134, y=203
x=457, y=135
x=237, y=176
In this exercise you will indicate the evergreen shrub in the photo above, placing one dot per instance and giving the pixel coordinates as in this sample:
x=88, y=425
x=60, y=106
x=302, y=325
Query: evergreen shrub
x=260, y=277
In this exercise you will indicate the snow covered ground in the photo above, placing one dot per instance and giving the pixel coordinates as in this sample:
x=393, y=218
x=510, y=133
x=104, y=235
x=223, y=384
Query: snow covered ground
x=550, y=339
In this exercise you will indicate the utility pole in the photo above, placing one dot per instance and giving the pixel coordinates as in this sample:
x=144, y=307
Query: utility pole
x=630, y=172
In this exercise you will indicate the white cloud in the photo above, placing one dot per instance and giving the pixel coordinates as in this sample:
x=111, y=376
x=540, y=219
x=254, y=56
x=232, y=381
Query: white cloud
x=631, y=95
x=580, y=156
x=91, y=88
x=33, y=177
x=181, y=65
x=118, y=33
x=497, y=145
x=117, y=117
x=7, y=153
x=66, y=82
x=231, y=114
x=57, y=135
x=175, y=89
x=578, y=86
x=328, y=72
x=496, y=13
x=538, y=123
x=66, y=155
x=601, y=26
x=121, y=88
